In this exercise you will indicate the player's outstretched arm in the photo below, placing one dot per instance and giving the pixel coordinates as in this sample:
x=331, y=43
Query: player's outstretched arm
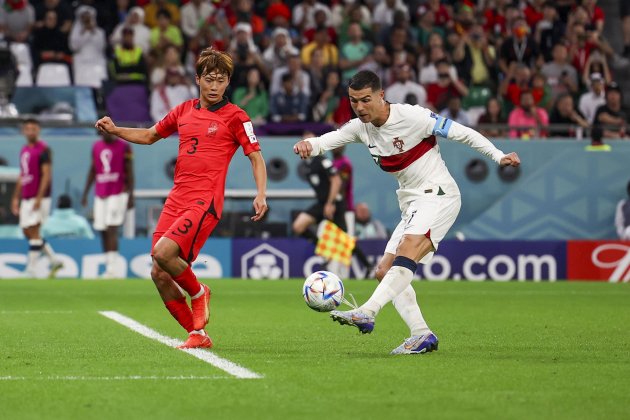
x=132, y=135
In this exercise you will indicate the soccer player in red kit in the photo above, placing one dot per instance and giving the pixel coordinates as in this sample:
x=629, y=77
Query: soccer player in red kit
x=210, y=131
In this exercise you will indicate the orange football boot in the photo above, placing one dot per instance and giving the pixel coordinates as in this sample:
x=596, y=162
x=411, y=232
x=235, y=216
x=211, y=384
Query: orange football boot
x=197, y=341
x=201, y=309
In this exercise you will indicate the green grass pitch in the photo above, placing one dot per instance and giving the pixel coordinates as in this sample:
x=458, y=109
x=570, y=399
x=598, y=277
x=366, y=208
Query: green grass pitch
x=507, y=351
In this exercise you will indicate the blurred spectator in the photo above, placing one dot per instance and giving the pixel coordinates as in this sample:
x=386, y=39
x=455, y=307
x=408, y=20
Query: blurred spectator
x=533, y=12
x=322, y=20
x=519, y=48
x=301, y=79
x=195, y=13
x=64, y=222
x=517, y=79
x=561, y=75
x=244, y=13
x=216, y=33
x=354, y=53
x=527, y=120
x=128, y=65
x=429, y=72
x=63, y=13
x=582, y=44
x=622, y=217
x=624, y=12
x=495, y=21
x=564, y=112
x=278, y=14
x=441, y=13
x=399, y=47
x=253, y=98
x=141, y=33
x=304, y=14
x=549, y=31
x=595, y=14
x=610, y=117
x=593, y=99
x=446, y=87
x=88, y=43
x=348, y=12
x=328, y=102
x=152, y=11
x=318, y=73
x=403, y=86
x=541, y=91
x=169, y=61
x=455, y=112
x=17, y=18
x=277, y=54
x=493, y=115
x=596, y=63
x=474, y=58
x=367, y=227
x=402, y=24
x=383, y=14
x=288, y=105
x=245, y=54
x=123, y=7
x=173, y=91
x=426, y=26
x=50, y=44
x=165, y=32
x=321, y=41
x=343, y=164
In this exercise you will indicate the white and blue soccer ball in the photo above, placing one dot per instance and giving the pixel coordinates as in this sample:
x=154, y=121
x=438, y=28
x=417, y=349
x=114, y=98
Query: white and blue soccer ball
x=323, y=291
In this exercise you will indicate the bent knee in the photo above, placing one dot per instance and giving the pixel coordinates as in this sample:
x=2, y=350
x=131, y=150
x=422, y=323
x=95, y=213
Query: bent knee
x=162, y=254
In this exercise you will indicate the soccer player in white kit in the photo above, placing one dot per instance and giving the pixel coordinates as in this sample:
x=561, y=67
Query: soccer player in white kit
x=402, y=140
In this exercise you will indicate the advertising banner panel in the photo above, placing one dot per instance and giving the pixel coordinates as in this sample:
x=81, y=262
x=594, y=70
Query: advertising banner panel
x=598, y=260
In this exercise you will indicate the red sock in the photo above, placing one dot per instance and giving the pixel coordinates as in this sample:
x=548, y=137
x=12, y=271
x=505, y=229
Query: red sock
x=188, y=281
x=181, y=312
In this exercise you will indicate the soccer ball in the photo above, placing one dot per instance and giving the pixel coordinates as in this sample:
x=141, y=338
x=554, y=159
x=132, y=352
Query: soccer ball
x=323, y=291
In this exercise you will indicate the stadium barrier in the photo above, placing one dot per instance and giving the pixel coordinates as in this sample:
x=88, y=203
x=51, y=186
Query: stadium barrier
x=277, y=259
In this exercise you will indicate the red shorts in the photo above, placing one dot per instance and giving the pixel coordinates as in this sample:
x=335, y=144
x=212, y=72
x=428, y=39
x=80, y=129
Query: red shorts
x=189, y=229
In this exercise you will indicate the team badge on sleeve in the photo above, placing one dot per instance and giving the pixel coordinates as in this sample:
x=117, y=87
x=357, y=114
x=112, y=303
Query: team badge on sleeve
x=249, y=130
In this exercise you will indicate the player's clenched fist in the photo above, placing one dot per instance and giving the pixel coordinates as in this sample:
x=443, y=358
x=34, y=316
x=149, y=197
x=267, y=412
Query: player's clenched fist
x=511, y=159
x=105, y=124
x=303, y=148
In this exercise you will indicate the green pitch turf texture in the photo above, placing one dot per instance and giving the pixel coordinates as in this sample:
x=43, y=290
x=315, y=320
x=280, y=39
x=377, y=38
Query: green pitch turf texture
x=507, y=351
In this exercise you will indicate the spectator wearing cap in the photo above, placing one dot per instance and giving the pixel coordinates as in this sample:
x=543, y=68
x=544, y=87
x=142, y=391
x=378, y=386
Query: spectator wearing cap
x=17, y=17
x=245, y=54
x=141, y=33
x=152, y=12
x=278, y=52
x=88, y=44
x=610, y=117
x=321, y=41
x=527, y=121
x=173, y=91
x=561, y=76
x=128, y=65
x=397, y=92
x=165, y=32
x=594, y=98
x=194, y=14
x=64, y=222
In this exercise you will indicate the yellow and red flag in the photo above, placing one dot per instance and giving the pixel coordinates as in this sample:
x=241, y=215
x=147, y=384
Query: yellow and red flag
x=334, y=244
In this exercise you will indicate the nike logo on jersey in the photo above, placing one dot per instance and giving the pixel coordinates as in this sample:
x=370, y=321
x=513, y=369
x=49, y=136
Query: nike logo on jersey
x=371, y=146
x=181, y=125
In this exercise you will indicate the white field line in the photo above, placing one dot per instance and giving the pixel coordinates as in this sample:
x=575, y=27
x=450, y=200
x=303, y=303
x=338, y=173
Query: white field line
x=205, y=355
x=110, y=378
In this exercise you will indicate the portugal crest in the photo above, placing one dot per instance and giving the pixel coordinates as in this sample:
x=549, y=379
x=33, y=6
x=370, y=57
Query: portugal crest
x=398, y=143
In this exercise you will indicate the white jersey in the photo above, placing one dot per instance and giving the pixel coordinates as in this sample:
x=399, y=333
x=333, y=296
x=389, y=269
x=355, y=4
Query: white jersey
x=406, y=146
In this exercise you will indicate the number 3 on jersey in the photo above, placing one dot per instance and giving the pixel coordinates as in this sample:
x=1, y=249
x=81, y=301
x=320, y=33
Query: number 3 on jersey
x=183, y=228
x=193, y=147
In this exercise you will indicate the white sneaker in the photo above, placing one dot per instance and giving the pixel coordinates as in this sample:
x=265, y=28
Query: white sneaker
x=55, y=266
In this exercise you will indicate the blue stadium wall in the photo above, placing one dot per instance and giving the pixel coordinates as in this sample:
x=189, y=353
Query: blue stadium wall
x=563, y=191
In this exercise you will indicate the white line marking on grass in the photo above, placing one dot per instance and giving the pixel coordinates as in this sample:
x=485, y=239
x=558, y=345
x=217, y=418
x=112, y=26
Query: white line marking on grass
x=205, y=355
x=111, y=378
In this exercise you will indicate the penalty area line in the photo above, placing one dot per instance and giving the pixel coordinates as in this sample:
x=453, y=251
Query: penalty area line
x=111, y=378
x=205, y=355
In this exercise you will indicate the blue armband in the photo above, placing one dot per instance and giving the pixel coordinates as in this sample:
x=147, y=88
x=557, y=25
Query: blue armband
x=441, y=127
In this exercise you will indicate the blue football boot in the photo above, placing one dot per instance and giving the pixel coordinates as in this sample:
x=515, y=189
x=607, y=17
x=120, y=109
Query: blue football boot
x=364, y=322
x=418, y=344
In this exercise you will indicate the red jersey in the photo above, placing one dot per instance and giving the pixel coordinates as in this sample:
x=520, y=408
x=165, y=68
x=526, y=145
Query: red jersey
x=208, y=139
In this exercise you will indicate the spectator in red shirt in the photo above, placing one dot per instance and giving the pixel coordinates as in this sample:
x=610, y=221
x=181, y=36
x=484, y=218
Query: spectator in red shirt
x=438, y=93
x=534, y=12
x=595, y=14
x=210, y=129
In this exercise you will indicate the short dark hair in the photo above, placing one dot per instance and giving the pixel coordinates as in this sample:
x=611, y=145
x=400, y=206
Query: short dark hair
x=30, y=121
x=64, y=202
x=363, y=79
x=164, y=13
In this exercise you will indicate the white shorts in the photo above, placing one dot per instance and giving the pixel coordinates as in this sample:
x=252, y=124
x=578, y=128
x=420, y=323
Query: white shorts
x=110, y=211
x=429, y=213
x=30, y=217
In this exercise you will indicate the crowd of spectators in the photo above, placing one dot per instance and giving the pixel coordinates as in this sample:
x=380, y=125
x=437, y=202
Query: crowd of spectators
x=513, y=66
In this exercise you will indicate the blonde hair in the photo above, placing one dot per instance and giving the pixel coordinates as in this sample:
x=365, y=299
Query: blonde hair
x=211, y=60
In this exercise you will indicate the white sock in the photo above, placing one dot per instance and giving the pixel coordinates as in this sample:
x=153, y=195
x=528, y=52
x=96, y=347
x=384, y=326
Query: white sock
x=395, y=281
x=110, y=260
x=50, y=253
x=409, y=310
x=34, y=251
x=200, y=332
x=199, y=293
